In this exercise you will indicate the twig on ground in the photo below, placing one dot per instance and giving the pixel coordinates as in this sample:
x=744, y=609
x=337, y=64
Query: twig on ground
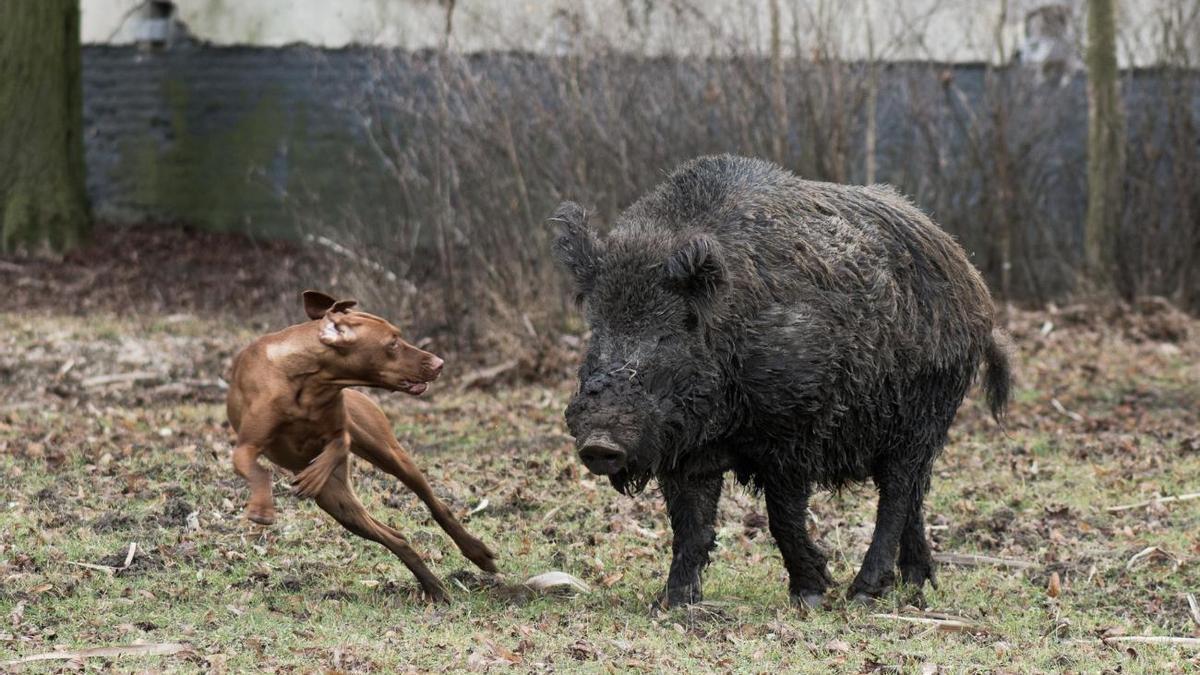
x=109, y=568
x=92, y=566
x=485, y=376
x=943, y=622
x=973, y=560
x=483, y=504
x=129, y=556
x=1195, y=609
x=551, y=512
x=1146, y=553
x=408, y=286
x=157, y=649
x=1154, y=640
x=1063, y=411
x=135, y=376
x=1156, y=500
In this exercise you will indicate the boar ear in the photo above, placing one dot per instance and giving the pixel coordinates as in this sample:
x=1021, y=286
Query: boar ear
x=577, y=246
x=316, y=304
x=695, y=269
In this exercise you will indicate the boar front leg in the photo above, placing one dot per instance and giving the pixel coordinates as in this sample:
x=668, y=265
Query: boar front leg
x=692, y=505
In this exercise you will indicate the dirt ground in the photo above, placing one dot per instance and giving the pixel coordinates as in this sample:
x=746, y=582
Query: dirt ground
x=113, y=440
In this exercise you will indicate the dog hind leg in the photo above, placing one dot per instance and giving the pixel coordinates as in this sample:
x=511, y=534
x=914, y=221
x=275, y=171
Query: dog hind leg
x=338, y=500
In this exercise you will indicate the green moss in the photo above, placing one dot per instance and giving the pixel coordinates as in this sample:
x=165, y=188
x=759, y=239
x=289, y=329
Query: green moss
x=212, y=179
x=41, y=175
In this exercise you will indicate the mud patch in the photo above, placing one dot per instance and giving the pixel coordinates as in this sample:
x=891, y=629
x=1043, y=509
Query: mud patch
x=144, y=562
x=174, y=513
x=113, y=522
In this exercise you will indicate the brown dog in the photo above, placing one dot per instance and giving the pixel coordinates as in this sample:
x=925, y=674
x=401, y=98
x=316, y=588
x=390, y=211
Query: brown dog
x=288, y=400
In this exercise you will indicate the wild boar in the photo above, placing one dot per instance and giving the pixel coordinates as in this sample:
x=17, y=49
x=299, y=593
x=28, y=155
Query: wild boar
x=797, y=333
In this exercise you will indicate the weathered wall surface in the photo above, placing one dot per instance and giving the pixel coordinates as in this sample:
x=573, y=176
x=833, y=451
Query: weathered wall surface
x=271, y=141
x=940, y=30
x=227, y=138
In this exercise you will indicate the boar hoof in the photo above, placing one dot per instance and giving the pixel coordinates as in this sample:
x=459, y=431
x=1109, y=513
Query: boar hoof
x=919, y=573
x=678, y=597
x=863, y=599
x=808, y=600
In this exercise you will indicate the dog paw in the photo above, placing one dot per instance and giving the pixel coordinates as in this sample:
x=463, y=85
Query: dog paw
x=437, y=593
x=260, y=515
x=483, y=557
x=309, y=482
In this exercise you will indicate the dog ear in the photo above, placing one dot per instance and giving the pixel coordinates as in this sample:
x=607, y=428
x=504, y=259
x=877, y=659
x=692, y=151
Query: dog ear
x=317, y=303
x=342, y=306
x=335, y=332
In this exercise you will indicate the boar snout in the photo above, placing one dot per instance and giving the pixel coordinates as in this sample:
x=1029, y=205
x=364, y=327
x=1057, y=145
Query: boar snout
x=601, y=454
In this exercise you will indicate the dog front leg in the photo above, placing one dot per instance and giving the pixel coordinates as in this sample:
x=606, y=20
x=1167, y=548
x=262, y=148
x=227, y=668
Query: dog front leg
x=261, y=507
x=311, y=480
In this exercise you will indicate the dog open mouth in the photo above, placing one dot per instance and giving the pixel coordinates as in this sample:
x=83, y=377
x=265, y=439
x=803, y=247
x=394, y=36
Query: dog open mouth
x=413, y=388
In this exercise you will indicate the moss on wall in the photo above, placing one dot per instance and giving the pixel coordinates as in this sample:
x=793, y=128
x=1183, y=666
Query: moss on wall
x=210, y=174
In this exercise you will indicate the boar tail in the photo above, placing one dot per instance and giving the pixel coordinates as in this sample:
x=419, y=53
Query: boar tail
x=997, y=376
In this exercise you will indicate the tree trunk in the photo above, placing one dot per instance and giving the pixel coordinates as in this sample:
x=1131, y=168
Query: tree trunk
x=43, y=206
x=778, y=92
x=1105, y=145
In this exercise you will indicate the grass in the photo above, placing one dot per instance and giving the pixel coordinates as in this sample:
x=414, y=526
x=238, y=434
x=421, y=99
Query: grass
x=87, y=471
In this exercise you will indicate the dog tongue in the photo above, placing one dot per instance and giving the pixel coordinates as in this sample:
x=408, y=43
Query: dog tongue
x=418, y=389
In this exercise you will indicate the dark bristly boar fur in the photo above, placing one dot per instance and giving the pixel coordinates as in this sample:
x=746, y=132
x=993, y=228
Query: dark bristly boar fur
x=799, y=334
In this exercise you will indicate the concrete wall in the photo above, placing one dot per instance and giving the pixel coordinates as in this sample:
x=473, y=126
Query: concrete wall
x=252, y=138
x=940, y=30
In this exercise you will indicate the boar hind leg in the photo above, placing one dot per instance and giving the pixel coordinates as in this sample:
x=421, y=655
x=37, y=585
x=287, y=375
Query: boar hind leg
x=787, y=515
x=916, y=560
x=692, y=505
x=902, y=488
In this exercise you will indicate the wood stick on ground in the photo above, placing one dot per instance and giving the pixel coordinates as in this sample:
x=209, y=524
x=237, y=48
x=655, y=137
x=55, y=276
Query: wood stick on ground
x=1146, y=553
x=157, y=649
x=1153, y=640
x=1195, y=608
x=956, y=625
x=91, y=566
x=109, y=568
x=135, y=376
x=1073, y=416
x=1156, y=500
x=486, y=376
x=974, y=560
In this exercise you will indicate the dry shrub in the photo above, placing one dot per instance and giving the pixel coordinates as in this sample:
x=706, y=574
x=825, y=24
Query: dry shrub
x=481, y=148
